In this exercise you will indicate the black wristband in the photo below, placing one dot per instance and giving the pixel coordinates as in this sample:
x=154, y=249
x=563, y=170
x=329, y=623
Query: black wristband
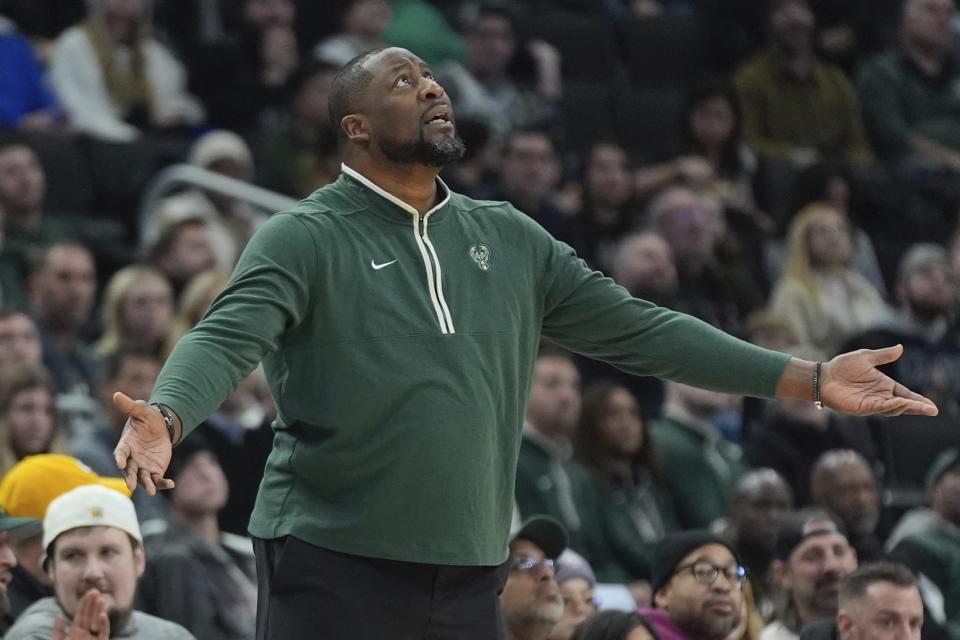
x=168, y=420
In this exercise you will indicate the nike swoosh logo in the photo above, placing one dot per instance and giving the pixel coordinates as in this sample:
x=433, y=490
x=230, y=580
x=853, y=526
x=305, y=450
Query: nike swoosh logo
x=377, y=267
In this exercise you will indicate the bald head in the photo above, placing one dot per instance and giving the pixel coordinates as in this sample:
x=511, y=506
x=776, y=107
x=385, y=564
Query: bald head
x=842, y=481
x=759, y=502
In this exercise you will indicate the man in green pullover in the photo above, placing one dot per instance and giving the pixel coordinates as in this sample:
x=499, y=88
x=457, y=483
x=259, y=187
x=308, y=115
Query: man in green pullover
x=398, y=323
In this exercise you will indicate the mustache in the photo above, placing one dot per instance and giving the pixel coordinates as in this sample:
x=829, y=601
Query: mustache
x=828, y=579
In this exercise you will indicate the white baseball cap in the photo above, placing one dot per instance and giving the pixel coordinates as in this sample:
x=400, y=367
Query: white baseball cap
x=89, y=506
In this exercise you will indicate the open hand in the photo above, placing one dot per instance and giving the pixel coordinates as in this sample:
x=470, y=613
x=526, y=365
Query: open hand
x=144, y=450
x=852, y=384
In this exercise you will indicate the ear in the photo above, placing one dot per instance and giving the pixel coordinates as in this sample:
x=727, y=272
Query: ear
x=139, y=560
x=661, y=599
x=355, y=126
x=844, y=624
x=779, y=569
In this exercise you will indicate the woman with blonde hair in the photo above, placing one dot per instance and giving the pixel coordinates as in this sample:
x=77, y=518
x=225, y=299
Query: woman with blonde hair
x=29, y=423
x=821, y=296
x=194, y=301
x=137, y=311
x=115, y=80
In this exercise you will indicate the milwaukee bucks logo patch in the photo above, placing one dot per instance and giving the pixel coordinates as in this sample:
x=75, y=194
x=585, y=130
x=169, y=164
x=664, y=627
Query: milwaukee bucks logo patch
x=481, y=255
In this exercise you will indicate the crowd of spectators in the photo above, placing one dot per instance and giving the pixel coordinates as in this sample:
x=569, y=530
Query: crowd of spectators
x=786, y=170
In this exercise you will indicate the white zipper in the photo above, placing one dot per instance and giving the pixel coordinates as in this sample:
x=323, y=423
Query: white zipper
x=431, y=262
x=434, y=293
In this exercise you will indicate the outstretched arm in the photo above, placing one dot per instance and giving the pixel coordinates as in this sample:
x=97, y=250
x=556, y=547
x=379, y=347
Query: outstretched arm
x=851, y=383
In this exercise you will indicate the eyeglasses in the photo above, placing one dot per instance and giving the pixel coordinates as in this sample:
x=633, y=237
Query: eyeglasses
x=706, y=573
x=526, y=564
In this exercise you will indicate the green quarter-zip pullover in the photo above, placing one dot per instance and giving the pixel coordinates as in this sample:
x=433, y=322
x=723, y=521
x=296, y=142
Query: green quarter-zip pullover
x=400, y=349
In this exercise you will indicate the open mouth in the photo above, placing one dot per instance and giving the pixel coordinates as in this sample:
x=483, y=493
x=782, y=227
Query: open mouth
x=438, y=115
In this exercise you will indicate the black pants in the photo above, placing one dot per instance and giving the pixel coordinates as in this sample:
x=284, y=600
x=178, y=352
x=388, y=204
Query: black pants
x=310, y=592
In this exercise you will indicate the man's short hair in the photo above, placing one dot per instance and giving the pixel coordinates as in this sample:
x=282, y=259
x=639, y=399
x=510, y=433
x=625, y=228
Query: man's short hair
x=501, y=11
x=347, y=87
x=115, y=362
x=855, y=585
x=773, y=5
x=532, y=130
x=38, y=259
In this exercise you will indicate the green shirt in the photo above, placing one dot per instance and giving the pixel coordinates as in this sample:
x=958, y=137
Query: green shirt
x=700, y=470
x=901, y=101
x=400, y=349
x=418, y=26
x=635, y=514
x=782, y=112
x=549, y=482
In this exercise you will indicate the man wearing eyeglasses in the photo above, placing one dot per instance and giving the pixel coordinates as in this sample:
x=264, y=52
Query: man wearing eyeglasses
x=697, y=587
x=531, y=601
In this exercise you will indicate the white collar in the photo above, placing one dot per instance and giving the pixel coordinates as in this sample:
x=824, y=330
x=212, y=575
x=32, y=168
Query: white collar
x=392, y=198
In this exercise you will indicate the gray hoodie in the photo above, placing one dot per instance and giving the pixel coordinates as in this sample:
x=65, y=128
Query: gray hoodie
x=36, y=623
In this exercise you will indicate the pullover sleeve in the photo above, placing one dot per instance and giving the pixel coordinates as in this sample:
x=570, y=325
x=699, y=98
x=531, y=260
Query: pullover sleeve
x=267, y=296
x=590, y=314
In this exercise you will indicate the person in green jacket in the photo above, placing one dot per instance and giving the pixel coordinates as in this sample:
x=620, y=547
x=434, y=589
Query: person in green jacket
x=613, y=442
x=398, y=324
x=700, y=467
x=549, y=481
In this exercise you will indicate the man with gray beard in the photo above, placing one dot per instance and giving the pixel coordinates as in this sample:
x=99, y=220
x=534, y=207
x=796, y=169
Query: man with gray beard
x=11, y=530
x=531, y=600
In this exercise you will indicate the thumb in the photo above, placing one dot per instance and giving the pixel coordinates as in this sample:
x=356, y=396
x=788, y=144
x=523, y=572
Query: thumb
x=123, y=402
x=885, y=356
x=131, y=407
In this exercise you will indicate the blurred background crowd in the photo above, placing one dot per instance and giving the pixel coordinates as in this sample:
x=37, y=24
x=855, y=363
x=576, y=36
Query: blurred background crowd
x=786, y=170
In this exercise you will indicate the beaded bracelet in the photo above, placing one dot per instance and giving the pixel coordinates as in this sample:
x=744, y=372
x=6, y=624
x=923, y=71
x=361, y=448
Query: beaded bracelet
x=817, y=379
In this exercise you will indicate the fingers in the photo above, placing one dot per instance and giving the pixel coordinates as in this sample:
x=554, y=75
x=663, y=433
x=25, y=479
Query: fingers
x=91, y=619
x=59, y=628
x=101, y=628
x=85, y=612
x=921, y=405
x=163, y=484
x=884, y=356
x=121, y=454
x=904, y=406
x=130, y=473
x=146, y=479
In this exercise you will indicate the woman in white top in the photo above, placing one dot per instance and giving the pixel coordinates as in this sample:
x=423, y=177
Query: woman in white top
x=820, y=295
x=115, y=80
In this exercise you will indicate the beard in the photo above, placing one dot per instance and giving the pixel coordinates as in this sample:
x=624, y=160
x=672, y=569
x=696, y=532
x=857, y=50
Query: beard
x=707, y=627
x=927, y=312
x=823, y=600
x=419, y=151
x=544, y=614
x=119, y=618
